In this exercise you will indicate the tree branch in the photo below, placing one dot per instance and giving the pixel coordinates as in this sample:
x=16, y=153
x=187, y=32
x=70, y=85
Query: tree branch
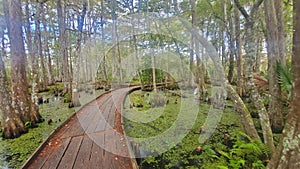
x=256, y=6
x=241, y=9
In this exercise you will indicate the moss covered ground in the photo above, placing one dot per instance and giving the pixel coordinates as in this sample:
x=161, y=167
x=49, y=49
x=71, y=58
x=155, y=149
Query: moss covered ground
x=144, y=121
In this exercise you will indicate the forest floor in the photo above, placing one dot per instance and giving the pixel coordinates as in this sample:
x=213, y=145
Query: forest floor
x=216, y=152
x=14, y=152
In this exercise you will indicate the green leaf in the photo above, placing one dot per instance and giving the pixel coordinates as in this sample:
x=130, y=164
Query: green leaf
x=284, y=77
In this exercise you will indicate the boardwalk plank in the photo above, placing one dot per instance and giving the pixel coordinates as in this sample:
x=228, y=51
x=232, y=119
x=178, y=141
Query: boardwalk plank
x=99, y=117
x=56, y=156
x=84, y=153
x=70, y=154
x=97, y=152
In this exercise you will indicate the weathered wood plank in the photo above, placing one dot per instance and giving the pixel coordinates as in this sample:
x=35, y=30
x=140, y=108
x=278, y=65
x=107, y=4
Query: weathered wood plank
x=97, y=152
x=84, y=153
x=99, y=117
x=55, y=157
x=69, y=157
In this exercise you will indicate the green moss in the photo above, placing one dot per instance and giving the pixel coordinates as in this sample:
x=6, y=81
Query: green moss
x=19, y=150
x=67, y=98
x=183, y=154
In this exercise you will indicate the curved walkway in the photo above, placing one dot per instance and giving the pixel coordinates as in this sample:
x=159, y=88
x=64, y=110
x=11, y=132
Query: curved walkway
x=83, y=140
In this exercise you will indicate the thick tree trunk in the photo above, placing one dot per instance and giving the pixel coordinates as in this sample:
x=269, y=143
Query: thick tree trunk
x=275, y=104
x=21, y=102
x=12, y=125
x=288, y=153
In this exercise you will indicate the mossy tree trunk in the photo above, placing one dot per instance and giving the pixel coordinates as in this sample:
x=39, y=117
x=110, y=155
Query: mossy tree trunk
x=249, y=63
x=244, y=113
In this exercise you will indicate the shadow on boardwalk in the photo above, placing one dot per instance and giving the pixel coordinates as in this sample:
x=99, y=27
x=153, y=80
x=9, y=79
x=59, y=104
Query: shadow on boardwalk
x=83, y=141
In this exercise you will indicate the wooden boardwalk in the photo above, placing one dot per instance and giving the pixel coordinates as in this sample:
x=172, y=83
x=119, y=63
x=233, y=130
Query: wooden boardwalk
x=91, y=139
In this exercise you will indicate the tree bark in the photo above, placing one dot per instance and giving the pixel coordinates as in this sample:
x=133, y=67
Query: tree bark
x=35, y=83
x=244, y=113
x=38, y=39
x=47, y=51
x=75, y=95
x=281, y=31
x=275, y=104
x=288, y=152
x=63, y=54
x=12, y=125
x=20, y=96
x=238, y=42
x=231, y=47
x=251, y=88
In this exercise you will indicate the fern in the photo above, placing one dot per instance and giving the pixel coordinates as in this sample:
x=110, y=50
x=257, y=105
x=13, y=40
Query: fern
x=285, y=77
x=246, y=152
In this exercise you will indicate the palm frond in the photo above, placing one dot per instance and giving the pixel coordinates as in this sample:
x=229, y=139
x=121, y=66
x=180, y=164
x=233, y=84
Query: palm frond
x=284, y=77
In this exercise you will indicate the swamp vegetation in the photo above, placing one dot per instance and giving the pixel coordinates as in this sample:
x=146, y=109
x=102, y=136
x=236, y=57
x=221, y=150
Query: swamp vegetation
x=55, y=54
x=228, y=147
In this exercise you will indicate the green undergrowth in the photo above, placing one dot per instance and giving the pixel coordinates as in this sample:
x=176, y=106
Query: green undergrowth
x=14, y=152
x=228, y=147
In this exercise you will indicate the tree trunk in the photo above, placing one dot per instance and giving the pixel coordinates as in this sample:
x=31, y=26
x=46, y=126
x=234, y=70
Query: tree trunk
x=192, y=45
x=231, y=47
x=75, y=95
x=251, y=88
x=103, y=46
x=63, y=54
x=244, y=113
x=38, y=40
x=238, y=41
x=12, y=125
x=47, y=52
x=281, y=31
x=33, y=60
x=275, y=104
x=288, y=153
x=21, y=102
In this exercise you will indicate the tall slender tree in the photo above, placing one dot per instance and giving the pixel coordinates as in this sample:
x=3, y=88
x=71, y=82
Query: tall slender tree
x=63, y=52
x=238, y=43
x=275, y=105
x=250, y=54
